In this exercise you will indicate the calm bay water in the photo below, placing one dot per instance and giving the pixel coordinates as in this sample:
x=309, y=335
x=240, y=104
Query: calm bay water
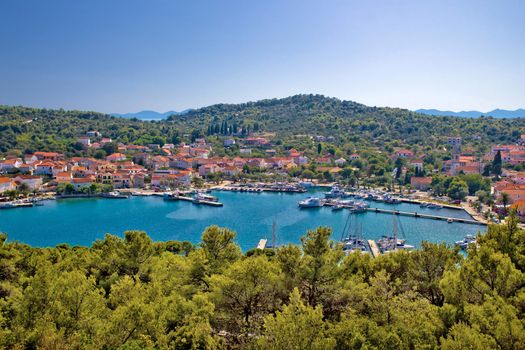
x=82, y=221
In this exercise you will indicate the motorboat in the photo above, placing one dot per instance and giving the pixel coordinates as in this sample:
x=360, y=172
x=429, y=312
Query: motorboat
x=205, y=197
x=114, y=195
x=311, y=202
x=434, y=206
x=467, y=240
x=335, y=192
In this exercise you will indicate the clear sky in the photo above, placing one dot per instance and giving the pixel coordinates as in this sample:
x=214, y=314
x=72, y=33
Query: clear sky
x=130, y=55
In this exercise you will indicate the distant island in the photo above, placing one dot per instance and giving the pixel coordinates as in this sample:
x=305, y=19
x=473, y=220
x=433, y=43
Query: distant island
x=496, y=113
x=149, y=115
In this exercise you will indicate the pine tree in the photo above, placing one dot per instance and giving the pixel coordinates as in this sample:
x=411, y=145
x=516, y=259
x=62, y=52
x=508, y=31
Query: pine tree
x=496, y=164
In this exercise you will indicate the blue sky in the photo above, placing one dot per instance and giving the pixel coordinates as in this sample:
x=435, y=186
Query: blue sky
x=129, y=55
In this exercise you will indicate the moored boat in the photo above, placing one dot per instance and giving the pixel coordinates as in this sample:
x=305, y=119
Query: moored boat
x=467, y=240
x=311, y=202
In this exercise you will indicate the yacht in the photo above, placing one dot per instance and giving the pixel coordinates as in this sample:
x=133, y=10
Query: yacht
x=205, y=197
x=354, y=243
x=434, y=206
x=311, y=202
x=337, y=206
x=389, y=243
x=115, y=195
x=392, y=200
x=335, y=192
x=468, y=240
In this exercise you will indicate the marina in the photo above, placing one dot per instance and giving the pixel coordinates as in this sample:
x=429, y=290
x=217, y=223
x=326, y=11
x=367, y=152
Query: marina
x=83, y=220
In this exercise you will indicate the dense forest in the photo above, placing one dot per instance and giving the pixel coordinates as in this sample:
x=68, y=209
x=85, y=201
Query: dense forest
x=132, y=293
x=354, y=126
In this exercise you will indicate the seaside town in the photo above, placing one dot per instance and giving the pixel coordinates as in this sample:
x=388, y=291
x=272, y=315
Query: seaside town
x=161, y=168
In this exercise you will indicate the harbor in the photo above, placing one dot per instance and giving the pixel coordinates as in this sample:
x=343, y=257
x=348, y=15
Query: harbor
x=80, y=221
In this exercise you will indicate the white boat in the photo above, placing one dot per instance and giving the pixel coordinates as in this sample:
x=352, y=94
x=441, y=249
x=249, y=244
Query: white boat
x=311, y=202
x=434, y=206
x=114, y=195
x=468, y=240
x=205, y=197
x=450, y=220
x=337, y=206
x=335, y=192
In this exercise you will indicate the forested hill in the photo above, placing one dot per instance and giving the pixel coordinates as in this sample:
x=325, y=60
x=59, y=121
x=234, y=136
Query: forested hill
x=317, y=114
x=358, y=126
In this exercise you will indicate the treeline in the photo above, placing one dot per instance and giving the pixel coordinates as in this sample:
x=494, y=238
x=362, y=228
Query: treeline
x=132, y=293
x=26, y=130
x=355, y=127
x=354, y=123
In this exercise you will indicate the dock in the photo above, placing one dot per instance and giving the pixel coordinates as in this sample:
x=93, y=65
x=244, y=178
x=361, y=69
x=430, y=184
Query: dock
x=373, y=248
x=16, y=205
x=174, y=197
x=426, y=216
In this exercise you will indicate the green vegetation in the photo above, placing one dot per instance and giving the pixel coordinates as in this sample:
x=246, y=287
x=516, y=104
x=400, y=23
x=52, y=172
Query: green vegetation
x=354, y=127
x=132, y=293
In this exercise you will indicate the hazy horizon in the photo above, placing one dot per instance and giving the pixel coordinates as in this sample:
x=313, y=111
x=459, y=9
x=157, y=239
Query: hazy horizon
x=128, y=56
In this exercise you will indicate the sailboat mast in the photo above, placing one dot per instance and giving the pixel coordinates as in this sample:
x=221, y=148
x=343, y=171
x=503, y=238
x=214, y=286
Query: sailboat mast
x=274, y=233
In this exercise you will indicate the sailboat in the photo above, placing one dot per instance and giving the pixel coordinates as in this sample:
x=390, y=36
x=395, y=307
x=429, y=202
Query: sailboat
x=274, y=236
x=354, y=242
x=393, y=242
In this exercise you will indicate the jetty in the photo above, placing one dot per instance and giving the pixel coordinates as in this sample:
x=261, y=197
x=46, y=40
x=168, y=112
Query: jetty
x=374, y=250
x=426, y=216
x=11, y=205
x=176, y=197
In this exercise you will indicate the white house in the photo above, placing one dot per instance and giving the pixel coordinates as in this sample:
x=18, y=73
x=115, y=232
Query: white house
x=33, y=182
x=229, y=142
x=84, y=140
x=10, y=164
x=340, y=162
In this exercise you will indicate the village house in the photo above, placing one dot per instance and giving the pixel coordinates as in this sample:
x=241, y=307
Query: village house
x=229, y=142
x=80, y=183
x=515, y=192
x=63, y=176
x=33, y=182
x=256, y=141
x=354, y=156
x=93, y=133
x=206, y=169
x=416, y=163
x=10, y=165
x=404, y=153
x=519, y=207
x=6, y=184
x=30, y=158
x=421, y=183
x=53, y=156
x=171, y=180
x=340, y=161
x=116, y=157
x=327, y=159
x=84, y=140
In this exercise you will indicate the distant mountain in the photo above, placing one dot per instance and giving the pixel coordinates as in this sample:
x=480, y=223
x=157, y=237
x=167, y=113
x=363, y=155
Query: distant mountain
x=497, y=113
x=149, y=115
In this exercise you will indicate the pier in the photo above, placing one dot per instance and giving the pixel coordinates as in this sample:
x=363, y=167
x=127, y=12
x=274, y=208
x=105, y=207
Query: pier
x=174, y=197
x=374, y=250
x=426, y=216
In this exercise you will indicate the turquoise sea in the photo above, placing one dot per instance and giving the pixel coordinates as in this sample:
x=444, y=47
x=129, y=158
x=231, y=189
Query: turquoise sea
x=82, y=221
